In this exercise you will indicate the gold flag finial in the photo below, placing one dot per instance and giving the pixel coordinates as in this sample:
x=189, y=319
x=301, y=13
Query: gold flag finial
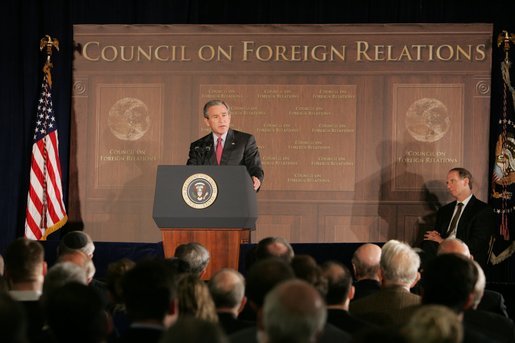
x=49, y=43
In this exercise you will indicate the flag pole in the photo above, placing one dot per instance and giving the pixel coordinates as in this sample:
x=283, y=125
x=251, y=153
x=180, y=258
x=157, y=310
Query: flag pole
x=505, y=39
x=49, y=43
x=45, y=211
x=504, y=177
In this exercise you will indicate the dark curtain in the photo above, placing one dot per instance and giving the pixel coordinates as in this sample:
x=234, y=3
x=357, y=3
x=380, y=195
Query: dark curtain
x=25, y=22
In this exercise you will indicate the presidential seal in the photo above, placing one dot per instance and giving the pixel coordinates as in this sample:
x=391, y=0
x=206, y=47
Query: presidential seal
x=199, y=191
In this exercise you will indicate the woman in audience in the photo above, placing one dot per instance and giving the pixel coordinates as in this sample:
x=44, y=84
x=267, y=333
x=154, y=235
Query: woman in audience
x=195, y=299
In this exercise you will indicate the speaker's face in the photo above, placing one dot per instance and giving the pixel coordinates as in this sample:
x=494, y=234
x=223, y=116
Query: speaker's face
x=218, y=119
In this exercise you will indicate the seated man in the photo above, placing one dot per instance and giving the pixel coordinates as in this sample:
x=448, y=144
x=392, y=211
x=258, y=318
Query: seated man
x=466, y=218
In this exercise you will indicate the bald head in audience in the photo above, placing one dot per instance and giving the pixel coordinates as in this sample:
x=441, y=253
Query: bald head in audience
x=274, y=247
x=453, y=246
x=365, y=262
x=294, y=311
x=227, y=287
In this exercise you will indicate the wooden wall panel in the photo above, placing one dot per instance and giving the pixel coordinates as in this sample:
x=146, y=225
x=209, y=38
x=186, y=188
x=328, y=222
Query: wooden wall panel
x=357, y=124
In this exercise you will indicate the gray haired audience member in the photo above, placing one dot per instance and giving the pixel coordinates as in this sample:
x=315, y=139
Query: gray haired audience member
x=60, y=274
x=399, y=270
x=294, y=311
x=434, y=324
x=196, y=255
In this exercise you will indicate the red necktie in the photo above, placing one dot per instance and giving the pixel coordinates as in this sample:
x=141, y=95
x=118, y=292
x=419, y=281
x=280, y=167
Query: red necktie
x=219, y=149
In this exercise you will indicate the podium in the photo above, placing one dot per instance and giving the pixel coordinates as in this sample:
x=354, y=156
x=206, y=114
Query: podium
x=212, y=205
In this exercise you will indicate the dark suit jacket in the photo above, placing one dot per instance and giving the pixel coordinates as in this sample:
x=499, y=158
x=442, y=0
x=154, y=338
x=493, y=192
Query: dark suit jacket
x=230, y=324
x=240, y=148
x=476, y=226
x=492, y=325
x=493, y=301
x=329, y=335
x=365, y=287
x=141, y=334
x=343, y=320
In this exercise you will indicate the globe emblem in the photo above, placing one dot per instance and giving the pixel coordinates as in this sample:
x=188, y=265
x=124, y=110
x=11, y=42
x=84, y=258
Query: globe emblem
x=128, y=119
x=427, y=120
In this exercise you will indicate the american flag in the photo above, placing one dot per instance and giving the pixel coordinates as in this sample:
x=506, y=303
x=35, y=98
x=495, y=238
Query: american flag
x=46, y=212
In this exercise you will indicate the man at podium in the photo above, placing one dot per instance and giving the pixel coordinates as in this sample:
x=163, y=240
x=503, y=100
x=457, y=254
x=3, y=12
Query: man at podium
x=225, y=146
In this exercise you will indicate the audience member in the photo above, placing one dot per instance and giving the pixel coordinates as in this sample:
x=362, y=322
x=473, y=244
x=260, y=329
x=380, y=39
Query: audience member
x=492, y=324
x=263, y=276
x=434, y=324
x=150, y=297
x=60, y=274
x=75, y=313
x=80, y=259
x=450, y=280
x=491, y=301
x=196, y=255
x=114, y=276
x=306, y=268
x=227, y=288
x=194, y=298
x=365, y=263
x=274, y=247
x=189, y=329
x=294, y=311
x=176, y=266
x=13, y=324
x=76, y=240
x=339, y=293
x=399, y=272
x=25, y=269
x=71, y=247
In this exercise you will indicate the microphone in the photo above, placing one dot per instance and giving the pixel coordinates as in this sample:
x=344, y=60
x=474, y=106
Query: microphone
x=202, y=152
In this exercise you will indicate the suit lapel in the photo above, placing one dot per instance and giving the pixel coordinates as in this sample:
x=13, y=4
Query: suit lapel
x=229, y=144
